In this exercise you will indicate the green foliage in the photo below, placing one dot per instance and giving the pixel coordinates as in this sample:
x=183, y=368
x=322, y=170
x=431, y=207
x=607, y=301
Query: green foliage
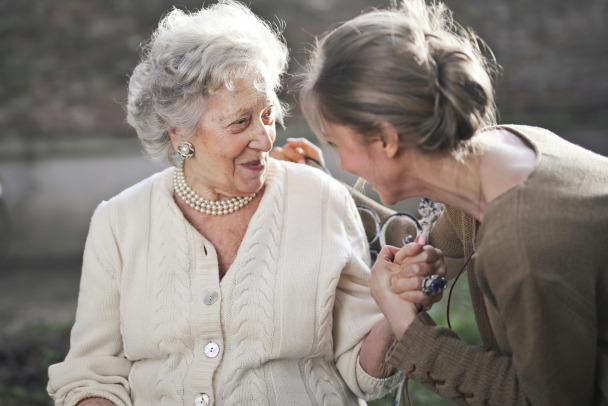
x=24, y=359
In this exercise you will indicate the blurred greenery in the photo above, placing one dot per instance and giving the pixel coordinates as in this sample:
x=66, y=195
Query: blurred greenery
x=25, y=356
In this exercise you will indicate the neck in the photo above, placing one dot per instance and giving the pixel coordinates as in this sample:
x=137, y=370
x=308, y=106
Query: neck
x=500, y=162
x=455, y=183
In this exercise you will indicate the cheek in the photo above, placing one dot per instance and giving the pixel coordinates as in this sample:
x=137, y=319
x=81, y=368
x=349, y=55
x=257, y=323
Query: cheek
x=354, y=159
x=350, y=162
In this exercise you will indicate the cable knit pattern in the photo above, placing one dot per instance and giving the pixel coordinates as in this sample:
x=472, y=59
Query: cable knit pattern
x=169, y=249
x=252, y=311
x=326, y=391
x=288, y=319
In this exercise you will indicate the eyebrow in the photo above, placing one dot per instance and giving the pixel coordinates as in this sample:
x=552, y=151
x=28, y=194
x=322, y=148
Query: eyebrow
x=231, y=116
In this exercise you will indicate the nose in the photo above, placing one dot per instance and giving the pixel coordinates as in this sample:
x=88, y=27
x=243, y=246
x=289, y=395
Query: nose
x=262, y=137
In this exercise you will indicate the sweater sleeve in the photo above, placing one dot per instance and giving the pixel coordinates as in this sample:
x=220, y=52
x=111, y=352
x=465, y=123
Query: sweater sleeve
x=95, y=365
x=439, y=360
x=356, y=313
x=548, y=354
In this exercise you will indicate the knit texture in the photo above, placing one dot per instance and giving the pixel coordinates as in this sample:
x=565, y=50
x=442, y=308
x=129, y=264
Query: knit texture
x=290, y=317
x=539, y=286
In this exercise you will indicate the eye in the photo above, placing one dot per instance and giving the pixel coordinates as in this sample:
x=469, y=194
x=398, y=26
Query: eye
x=331, y=144
x=241, y=121
x=268, y=115
x=240, y=124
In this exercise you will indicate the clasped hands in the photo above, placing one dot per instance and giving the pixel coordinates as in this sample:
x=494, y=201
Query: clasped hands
x=396, y=281
x=397, y=276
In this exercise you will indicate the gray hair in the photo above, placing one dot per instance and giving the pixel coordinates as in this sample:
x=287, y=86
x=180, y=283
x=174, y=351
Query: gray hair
x=191, y=54
x=411, y=66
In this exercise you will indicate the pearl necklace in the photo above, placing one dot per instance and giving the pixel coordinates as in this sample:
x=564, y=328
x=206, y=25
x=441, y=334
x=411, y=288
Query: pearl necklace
x=213, y=207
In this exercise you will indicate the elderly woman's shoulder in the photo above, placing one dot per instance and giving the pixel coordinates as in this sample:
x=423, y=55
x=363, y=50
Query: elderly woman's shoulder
x=141, y=192
x=306, y=174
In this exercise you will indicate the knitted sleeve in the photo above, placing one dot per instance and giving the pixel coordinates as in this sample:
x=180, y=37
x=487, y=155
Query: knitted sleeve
x=544, y=321
x=95, y=365
x=356, y=313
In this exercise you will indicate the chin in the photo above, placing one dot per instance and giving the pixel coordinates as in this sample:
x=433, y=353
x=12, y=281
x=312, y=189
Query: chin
x=254, y=185
x=388, y=201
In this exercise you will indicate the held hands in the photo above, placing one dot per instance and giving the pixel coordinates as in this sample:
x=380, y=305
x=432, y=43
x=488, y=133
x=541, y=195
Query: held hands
x=296, y=150
x=397, y=277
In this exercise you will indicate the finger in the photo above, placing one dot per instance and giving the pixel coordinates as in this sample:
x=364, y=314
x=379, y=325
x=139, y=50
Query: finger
x=308, y=147
x=422, y=269
x=428, y=254
x=292, y=154
x=440, y=268
x=380, y=278
x=416, y=296
x=418, y=269
x=277, y=153
x=422, y=239
x=408, y=250
x=386, y=258
x=401, y=285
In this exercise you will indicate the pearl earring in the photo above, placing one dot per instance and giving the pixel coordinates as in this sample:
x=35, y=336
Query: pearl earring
x=185, y=149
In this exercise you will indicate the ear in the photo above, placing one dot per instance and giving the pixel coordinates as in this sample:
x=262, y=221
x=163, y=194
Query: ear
x=389, y=137
x=175, y=137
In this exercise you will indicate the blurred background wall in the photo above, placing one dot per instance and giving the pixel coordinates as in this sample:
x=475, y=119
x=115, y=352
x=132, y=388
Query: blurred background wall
x=65, y=146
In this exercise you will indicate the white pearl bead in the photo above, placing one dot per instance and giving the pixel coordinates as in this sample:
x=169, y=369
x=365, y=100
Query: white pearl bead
x=202, y=205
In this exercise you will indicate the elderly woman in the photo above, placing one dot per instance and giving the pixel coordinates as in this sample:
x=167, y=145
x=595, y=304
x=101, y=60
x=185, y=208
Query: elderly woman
x=221, y=281
x=406, y=98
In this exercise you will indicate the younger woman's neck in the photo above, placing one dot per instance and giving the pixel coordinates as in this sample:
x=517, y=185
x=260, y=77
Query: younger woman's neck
x=454, y=182
x=500, y=161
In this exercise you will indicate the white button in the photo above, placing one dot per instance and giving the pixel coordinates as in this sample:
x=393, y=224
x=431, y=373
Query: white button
x=202, y=399
x=211, y=298
x=211, y=350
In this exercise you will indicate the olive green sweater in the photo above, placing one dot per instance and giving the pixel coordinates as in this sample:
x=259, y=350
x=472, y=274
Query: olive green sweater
x=539, y=287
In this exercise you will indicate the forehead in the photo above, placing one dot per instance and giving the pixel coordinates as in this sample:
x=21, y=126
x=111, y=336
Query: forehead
x=226, y=104
x=336, y=131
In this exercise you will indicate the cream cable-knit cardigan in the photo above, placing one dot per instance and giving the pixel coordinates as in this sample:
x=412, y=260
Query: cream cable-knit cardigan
x=289, y=319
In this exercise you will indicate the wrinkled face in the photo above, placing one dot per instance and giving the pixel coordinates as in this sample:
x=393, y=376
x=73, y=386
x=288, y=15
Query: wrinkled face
x=232, y=142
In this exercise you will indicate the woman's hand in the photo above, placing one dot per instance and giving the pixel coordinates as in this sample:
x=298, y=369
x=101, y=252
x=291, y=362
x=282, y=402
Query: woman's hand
x=95, y=402
x=398, y=312
x=417, y=260
x=396, y=281
x=296, y=150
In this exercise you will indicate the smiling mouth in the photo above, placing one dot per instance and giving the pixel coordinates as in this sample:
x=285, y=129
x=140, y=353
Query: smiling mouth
x=257, y=164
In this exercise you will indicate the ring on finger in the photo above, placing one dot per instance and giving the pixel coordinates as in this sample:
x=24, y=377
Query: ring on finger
x=433, y=284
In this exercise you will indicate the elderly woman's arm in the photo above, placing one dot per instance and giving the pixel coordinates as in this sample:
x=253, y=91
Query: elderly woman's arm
x=95, y=368
x=360, y=334
x=374, y=349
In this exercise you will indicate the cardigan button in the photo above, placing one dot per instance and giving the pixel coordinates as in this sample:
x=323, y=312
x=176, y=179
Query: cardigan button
x=211, y=298
x=211, y=350
x=202, y=399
